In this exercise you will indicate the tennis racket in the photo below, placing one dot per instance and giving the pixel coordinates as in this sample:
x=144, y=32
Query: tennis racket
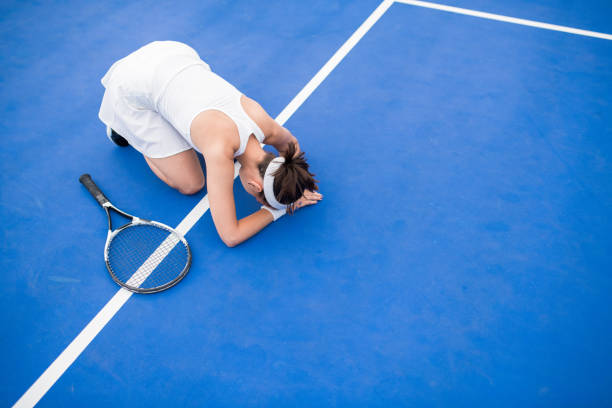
x=142, y=256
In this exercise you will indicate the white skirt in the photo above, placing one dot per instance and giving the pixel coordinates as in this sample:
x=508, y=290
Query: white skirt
x=153, y=95
x=135, y=85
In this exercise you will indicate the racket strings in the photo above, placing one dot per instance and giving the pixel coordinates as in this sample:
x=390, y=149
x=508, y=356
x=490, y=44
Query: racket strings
x=147, y=256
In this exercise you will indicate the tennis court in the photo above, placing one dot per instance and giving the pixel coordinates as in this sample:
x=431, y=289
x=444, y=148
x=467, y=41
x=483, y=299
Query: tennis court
x=461, y=256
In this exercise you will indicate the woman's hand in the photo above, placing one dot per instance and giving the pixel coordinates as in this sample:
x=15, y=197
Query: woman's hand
x=308, y=198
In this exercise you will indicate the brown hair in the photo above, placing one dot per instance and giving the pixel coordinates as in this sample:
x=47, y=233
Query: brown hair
x=291, y=178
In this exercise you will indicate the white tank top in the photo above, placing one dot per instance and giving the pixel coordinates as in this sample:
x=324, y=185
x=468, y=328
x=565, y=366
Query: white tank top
x=142, y=79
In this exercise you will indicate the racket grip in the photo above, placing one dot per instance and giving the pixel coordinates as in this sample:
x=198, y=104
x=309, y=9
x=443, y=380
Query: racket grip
x=93, y=189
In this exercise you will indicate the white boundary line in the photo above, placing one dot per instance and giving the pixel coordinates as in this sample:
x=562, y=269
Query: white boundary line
x=499, y=17
x=333, y=62
x=86, y=336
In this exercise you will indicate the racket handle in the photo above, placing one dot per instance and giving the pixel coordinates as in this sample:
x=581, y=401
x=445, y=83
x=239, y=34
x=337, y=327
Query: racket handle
x=93, y=189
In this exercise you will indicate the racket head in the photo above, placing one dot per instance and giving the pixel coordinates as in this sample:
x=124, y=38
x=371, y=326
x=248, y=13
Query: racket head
x=147, y=256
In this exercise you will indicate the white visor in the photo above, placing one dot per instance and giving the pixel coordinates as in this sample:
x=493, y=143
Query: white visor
x=268, y=183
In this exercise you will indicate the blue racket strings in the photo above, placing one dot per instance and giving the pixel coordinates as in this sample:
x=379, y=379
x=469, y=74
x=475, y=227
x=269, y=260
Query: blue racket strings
x=147, y=256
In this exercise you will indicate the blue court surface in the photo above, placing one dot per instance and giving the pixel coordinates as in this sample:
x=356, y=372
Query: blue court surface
x=461, y=257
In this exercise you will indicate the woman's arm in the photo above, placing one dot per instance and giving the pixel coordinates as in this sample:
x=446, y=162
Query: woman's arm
x=275, y=134
x=220, y=181
x=281, y=138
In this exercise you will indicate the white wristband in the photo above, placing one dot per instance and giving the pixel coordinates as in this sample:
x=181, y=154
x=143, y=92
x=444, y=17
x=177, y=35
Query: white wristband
x=276, y=214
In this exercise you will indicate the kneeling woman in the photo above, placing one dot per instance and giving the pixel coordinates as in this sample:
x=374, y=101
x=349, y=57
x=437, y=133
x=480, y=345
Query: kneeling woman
x=165, y=102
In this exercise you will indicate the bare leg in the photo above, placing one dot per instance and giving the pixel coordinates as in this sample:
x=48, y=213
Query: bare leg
x=181, y=171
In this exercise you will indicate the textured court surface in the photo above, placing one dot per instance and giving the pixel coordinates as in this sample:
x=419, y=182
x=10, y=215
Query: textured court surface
x=461, y=256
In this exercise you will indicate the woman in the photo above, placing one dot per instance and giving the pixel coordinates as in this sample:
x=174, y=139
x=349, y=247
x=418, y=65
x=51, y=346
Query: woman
x=166, y=102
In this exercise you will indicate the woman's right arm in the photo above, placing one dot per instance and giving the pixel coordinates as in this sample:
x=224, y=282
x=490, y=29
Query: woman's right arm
x=281, y=138
x=220, y=182
x=275, y=134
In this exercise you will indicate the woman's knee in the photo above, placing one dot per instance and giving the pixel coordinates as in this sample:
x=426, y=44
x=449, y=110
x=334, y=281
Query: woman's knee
x=192, y=186
x=181, y=171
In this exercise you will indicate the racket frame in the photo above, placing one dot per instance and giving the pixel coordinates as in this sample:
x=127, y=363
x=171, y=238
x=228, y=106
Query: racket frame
x=105, y=203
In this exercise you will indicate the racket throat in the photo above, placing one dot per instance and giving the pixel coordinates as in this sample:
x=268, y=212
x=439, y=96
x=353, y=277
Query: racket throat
x=117, y=217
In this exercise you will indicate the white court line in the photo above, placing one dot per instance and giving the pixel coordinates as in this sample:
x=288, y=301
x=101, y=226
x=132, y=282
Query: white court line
x=513, y=20
x=333, y=62
x=153, y=261
x=76, y=347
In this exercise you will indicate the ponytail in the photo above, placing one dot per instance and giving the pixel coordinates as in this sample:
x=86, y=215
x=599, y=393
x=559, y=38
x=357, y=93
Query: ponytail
x=292, y=178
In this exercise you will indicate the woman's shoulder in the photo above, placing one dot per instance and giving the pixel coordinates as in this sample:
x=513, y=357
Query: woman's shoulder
x=259, y=115
x=214, y=133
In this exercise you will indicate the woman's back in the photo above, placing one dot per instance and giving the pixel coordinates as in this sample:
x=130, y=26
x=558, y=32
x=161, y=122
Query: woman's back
x=143, y=75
